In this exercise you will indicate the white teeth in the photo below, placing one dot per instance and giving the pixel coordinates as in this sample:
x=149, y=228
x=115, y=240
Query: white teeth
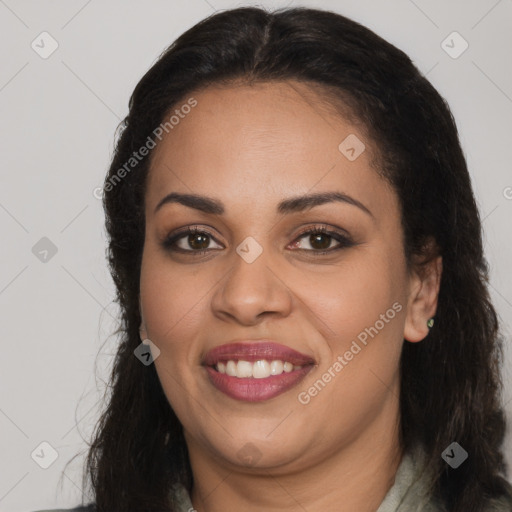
x=276, y=367
x=258, y=370
x=288, y=367
x=243, y=369
x=261, y=369
x=231, y=368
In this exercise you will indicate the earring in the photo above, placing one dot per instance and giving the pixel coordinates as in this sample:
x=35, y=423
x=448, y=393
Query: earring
x=430, y=323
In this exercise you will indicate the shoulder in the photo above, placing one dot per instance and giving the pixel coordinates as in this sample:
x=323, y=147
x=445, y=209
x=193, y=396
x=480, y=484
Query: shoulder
x=413, y=489
x=83, y=508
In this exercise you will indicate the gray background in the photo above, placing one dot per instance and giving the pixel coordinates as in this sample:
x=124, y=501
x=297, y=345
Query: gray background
x=58, y=117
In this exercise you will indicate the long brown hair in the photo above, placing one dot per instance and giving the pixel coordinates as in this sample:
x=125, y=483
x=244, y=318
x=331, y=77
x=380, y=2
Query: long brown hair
x=450, y=382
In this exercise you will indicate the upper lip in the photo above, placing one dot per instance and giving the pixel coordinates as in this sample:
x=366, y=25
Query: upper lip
x=255, y=350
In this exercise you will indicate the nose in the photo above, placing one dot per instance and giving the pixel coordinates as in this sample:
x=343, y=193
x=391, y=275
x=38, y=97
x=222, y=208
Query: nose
x=251, y=291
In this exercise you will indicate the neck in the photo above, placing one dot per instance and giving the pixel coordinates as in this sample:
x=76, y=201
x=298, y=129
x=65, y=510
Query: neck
x=356, y=476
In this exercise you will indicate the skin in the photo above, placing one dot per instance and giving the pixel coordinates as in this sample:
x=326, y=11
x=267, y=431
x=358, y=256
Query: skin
x=252, y=147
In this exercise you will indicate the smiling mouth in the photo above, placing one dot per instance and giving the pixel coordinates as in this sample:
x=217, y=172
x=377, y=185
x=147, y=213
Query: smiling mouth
x=255, y=381
x=259, y=369
x=255, y=370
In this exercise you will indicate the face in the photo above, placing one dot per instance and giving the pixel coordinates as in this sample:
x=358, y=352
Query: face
x=324, y=279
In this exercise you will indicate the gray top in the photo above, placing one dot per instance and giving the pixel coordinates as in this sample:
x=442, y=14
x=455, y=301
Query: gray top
x=409, y=493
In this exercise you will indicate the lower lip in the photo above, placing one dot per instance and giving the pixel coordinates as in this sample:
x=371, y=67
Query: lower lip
x=256, y=390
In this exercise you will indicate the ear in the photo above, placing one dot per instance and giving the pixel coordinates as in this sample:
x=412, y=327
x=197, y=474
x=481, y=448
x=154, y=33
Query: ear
x=424, y=284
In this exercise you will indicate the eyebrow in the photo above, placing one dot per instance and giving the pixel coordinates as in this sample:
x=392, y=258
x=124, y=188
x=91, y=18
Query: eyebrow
x=290, y=205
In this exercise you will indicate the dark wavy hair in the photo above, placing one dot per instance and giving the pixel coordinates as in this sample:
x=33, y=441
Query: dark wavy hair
x=450, y=383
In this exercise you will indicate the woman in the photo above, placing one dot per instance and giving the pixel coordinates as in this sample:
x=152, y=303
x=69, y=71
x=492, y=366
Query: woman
x=298, y=258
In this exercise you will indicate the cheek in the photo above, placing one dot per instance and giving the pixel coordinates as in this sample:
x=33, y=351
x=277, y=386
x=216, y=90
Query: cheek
x=172, y=303
x=362, y=305
x=361, y=372
x=352, y=297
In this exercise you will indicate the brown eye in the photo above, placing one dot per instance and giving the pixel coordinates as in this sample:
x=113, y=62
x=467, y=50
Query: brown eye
x=319, y=240
x=191, y=240
x=198, y=241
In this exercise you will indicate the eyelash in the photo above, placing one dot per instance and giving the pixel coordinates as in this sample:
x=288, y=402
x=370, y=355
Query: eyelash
x=345, y=242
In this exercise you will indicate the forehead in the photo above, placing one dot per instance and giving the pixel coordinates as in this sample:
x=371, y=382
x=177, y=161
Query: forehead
x=281, y=138
x=282, y=116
